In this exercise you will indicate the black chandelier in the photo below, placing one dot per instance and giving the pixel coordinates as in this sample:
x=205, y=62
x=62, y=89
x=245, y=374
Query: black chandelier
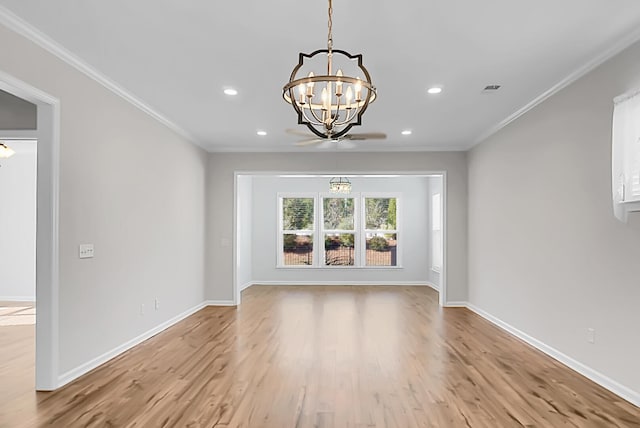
x=342, y=100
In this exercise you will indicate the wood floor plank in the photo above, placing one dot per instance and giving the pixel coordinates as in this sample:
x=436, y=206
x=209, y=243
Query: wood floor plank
x=321, y=357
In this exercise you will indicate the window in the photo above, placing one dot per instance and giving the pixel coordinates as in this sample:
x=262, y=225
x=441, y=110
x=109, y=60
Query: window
x=626, y=154
x=380, y=231
x=357, y=230
x=436, y=232
x=338, y=226
x=297, y=226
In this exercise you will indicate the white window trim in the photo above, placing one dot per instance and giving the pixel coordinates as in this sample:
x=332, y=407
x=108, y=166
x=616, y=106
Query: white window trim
x=625, y=166
x=318, y=256
x=356, y=231
x=363, y=238
x=281, y=231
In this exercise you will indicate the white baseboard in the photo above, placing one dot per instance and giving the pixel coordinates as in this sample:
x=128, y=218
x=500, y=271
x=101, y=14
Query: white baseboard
x=219, y=303
x=403, y=283
x=246, y=285
x=26, y=299
x=73, y=374
x=597, y=377
x=455, y=304
x=432, y=285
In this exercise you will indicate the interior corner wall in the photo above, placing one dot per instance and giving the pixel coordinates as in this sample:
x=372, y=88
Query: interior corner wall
x=18, y=223
x=546, y=254
x=134, y=189
x=221, y=199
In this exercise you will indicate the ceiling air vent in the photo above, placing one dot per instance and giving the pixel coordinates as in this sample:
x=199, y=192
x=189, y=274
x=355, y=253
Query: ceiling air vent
x=489, y=89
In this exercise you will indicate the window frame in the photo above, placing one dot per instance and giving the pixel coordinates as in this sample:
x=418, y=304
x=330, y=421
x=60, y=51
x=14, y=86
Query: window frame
x=364, y=230
x=625, y=171
x=356, y=201
x=319, y=231
x=281, y=232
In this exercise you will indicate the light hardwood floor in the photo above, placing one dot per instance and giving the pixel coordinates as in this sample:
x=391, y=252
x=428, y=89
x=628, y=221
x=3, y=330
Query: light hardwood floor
x=318, y=357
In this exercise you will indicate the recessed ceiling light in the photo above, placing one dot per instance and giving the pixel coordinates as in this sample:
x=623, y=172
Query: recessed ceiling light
x=406, y=132
x=230, y=91
x=434, y=90
x=261, y=133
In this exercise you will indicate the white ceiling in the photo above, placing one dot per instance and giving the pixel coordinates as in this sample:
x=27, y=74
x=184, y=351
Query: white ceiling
x=178, y=56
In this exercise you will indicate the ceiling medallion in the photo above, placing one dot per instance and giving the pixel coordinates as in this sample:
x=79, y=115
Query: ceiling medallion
x=329, y=104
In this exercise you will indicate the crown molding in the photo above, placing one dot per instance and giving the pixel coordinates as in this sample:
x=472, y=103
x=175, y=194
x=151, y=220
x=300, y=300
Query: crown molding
x=20, y=26
x=591, y=65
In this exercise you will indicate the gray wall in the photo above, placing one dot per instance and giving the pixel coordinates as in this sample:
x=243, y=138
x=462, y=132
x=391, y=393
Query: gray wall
x=221, y=187
x=546, y=254
x=132, y=188
x=16, y=113
x=18, y=223
x=412, y=223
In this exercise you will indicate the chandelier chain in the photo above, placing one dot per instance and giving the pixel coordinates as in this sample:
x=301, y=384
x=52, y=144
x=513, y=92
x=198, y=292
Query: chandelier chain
x=330, y=25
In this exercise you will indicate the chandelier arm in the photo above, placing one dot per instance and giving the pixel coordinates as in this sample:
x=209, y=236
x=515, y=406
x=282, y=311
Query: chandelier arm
x=315, y=121
x=349, y=116
x=354, y=113
x=318, y=121
x=334, y=121
x=298, y=108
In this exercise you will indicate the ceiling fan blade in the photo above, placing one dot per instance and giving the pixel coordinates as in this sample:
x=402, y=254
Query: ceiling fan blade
x=366, y=136
x=310, y=142
x=298, y=132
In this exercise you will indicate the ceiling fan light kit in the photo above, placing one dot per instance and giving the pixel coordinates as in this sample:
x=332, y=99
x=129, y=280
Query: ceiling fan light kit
x=329, y=104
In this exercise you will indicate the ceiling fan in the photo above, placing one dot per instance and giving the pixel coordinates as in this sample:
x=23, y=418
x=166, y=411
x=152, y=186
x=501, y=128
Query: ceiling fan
x=345, y=140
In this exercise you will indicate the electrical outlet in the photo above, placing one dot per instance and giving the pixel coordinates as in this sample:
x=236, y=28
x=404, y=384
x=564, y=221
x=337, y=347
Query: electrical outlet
x=591, y=335
x=141, y=308
x=85, y=251
x=157, y=304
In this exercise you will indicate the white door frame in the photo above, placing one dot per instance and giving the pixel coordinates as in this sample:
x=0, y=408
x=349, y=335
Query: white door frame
x=443, y=275
x=48, y=136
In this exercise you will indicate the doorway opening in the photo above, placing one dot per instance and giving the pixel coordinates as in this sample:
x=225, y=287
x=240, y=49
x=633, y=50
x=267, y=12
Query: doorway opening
x=18, y=267
x=257, y=230
x=46, y=133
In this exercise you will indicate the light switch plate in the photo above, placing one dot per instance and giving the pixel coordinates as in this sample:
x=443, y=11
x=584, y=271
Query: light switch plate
x=85, y=251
